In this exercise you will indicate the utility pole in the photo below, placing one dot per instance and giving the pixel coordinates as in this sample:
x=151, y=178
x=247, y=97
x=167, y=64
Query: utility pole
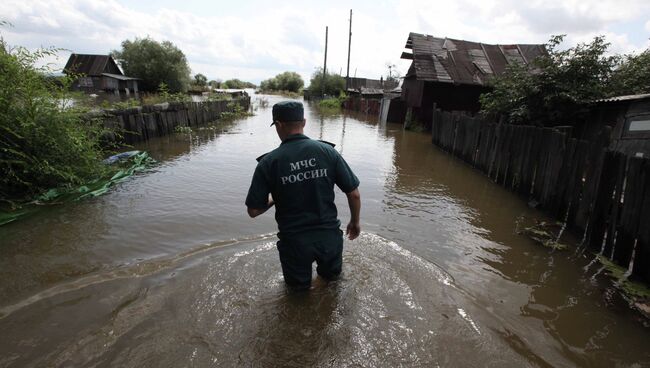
x=347, y=74
x=322, y=88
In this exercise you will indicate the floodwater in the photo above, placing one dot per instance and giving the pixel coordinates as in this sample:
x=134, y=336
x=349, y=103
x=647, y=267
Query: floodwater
x=167, y=270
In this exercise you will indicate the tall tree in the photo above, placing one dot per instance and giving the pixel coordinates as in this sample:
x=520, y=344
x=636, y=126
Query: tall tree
x=200, y=80
x=334, y=84
x=155, y=63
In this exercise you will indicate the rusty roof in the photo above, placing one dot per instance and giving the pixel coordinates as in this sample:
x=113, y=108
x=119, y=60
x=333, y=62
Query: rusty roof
x=91, y=65
x=463, y=62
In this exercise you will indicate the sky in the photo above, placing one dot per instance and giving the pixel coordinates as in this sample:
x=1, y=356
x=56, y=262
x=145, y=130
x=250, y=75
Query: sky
x=255, y=40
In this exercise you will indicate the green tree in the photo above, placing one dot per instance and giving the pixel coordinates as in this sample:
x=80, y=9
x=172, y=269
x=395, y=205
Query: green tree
x=237, y=84
x=331, y=85
x=287, y=81
x=154, y=62
x=555, y=88
x=632, y=76
x=200, y=80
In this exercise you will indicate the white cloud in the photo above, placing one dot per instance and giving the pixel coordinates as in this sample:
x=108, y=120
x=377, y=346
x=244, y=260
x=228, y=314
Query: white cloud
x=255, y=46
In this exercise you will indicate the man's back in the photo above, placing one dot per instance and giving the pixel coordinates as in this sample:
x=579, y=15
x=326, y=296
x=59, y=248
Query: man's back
x=300, y=174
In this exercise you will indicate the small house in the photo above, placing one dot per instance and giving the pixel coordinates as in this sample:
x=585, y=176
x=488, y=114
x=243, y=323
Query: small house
x=452, y=74
x=629, y=118
x=99, y=73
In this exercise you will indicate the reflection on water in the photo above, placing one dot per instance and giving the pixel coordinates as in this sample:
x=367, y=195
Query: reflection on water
x=149, y=274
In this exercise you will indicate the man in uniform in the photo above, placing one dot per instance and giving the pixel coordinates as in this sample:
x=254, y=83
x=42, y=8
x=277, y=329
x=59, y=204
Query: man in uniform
x=299, y=177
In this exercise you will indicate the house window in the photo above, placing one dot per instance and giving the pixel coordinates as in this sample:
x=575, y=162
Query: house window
x=637, y=126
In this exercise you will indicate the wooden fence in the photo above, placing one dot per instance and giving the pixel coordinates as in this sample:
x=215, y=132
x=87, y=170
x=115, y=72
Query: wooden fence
x=143, y=123
x=604, y=193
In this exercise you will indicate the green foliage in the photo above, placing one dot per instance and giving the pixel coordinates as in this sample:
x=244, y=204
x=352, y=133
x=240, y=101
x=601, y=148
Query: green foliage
x=215, y=83
x=234, y=111
x=287, y=81
x=163, y=95
x=329, y=103
x=183, y=129
x=333, y=103
x=200, y=80
x=155, y=63
x=553, y=89
x=236, y=84
x=632, y=76
x=121, y=105
x=44, y=142
x=331, y=85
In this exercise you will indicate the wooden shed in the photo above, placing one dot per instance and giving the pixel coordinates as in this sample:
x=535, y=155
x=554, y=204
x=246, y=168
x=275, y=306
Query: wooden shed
x=99, y=73
x=452, y=74
x=629, y=118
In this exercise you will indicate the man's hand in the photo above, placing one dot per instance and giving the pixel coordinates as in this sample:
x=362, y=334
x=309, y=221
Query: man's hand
x=354, y=201
x=353, y=230
x=254, y=212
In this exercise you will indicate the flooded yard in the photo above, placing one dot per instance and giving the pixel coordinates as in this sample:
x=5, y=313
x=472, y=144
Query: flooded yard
x=168, y=269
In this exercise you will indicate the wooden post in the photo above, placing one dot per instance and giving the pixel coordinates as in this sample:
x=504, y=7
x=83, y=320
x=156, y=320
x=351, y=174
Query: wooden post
x=347, y=74
x=322, y=86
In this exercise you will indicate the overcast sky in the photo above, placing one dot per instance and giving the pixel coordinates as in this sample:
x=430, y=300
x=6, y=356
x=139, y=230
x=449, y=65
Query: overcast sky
x=255, y=40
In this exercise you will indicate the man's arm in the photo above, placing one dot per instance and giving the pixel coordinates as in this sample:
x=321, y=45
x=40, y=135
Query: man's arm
x=354, y=201
x=254, y=212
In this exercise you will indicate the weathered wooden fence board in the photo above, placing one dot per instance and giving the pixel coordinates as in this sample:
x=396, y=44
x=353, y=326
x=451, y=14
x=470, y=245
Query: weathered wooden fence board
x=641, y=268
x=605, y=193
x=141, y=124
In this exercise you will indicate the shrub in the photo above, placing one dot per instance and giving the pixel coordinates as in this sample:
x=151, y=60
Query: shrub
x=287, y=81
x=331, y=85
x=44, y=142
x=554, y=88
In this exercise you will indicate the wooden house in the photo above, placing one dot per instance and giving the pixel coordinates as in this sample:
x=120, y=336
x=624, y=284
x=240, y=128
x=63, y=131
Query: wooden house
x=452, y=74
x=99, y=73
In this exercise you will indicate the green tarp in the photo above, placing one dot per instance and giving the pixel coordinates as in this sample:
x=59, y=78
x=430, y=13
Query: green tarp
x=134, y=162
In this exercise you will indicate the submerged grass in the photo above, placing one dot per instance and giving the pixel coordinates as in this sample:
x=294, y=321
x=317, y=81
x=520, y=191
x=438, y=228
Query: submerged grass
x=630, y=288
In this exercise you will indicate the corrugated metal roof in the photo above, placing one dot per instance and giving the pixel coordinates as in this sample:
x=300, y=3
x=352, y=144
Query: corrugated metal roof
x=90, y=65
x=625, y=98
x=464, y=62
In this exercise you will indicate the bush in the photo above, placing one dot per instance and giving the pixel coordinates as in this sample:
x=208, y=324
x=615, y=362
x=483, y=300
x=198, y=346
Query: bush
x=333, y=84
x=287, y=81
x=553, y=89
x=330, y=103
x=44, y=142
x=236, y=84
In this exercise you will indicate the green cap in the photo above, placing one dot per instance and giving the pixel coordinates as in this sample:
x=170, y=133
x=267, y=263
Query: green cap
x=288, y=111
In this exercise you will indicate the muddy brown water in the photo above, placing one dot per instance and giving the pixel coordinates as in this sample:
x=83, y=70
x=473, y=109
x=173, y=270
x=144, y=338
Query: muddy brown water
x=167, y=270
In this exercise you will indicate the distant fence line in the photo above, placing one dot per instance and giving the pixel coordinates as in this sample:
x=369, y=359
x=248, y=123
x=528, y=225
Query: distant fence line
x=146, y=122
x=604, y=193
x=365, y=105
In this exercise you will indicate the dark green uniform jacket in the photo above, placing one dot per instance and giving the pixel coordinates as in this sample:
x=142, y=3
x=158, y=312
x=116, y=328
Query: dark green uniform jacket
x=300, y=174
